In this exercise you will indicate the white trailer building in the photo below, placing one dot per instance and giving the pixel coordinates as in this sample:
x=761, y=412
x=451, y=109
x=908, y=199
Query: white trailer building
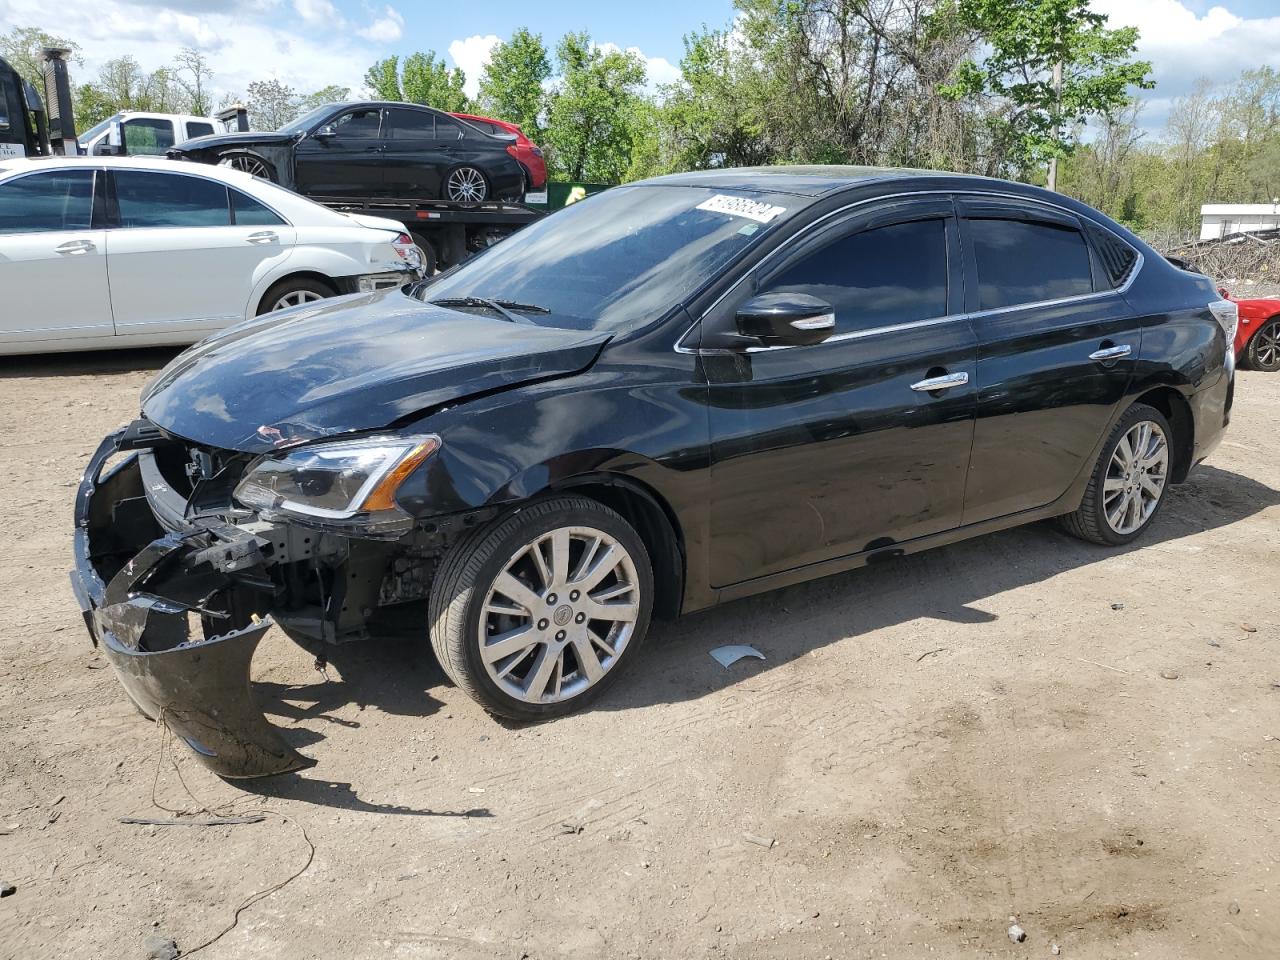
x=1220, y=219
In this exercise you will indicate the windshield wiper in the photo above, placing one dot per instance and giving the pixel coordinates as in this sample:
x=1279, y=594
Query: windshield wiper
x=503, y=307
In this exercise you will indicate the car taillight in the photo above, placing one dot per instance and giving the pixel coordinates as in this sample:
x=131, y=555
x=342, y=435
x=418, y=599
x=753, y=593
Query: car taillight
x=1227, y=313
x=407, y=250
x=537, y=151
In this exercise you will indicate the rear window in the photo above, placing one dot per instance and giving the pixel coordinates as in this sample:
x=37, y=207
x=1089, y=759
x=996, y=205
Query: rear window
x=249, y=212
x=170, y=200
x=1116, y=257
x=195, y=129
x=1023, y=261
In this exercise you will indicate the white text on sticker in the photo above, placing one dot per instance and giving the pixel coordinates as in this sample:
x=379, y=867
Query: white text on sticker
x=742, y=207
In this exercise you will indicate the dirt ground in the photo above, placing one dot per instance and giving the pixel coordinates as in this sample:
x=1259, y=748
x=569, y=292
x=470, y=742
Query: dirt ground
x=1018, y=726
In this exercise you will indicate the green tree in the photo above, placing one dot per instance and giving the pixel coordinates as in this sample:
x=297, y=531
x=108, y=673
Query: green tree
x=330, y=94
x=590, y=119
x=426, y=80
x=511, y=87
x=1024, y=40
x=383, y=78
x=192, y=73
x=271, y=104
x=22, y=47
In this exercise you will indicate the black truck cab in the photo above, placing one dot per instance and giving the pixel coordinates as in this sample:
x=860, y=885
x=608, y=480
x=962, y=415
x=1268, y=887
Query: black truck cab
x=23, y=123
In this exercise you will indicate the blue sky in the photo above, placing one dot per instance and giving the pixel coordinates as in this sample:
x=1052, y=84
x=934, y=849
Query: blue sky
x=309, y=44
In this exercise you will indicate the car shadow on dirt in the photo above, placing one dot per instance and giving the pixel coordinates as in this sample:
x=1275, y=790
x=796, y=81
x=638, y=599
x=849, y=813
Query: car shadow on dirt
x=86, y=363
x=397, y=672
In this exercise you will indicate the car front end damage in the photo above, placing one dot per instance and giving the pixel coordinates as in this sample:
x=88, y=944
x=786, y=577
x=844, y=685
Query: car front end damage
x=178, y=582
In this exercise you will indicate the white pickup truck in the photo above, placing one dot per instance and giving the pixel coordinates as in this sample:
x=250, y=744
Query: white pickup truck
x=146, y=134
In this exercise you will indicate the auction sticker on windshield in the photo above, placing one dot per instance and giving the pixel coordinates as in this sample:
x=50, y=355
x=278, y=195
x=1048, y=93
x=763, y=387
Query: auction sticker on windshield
x=742, y=207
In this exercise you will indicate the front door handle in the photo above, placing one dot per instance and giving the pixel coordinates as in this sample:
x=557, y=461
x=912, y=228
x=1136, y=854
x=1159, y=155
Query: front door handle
x=1112, y=353
x=945, y=382
x=73, y=247
x=263, y=236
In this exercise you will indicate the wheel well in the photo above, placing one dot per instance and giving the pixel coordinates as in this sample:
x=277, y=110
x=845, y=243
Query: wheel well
x=1177, y=411
x=653, y=520
x=300, y=275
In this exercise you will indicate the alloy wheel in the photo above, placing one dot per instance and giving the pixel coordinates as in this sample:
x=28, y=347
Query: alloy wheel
x=250, y=165
x=466, y=185
x=1267, y=350
x=1136, y=477
x=296, y=298
x=560, y=615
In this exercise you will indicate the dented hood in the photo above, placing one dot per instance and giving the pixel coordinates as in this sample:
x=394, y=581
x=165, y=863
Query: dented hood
x=350, y=364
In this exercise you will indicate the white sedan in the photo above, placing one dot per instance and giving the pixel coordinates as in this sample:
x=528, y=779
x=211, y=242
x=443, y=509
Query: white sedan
x=102, y=252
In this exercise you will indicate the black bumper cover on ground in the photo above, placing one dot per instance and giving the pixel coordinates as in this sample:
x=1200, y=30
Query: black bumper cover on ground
x=199, y=688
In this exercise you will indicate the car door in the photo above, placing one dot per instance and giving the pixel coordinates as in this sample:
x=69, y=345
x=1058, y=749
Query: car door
x=53, y=265
x=177, y=261
x=414, y=157
x=343, y=158
x=1057, y=347
x=832, y=449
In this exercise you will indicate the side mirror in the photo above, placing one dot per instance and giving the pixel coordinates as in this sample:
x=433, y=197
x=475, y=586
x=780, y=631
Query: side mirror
x=327, y=132
x=786, y=319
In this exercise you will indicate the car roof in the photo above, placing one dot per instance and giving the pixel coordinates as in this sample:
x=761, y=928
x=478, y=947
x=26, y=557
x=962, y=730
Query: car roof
x=805, y=180
x=30, y=164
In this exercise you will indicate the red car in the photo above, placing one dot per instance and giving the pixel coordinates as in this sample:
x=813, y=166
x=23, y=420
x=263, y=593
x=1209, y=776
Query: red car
x=1258, y=335
x=526, y=152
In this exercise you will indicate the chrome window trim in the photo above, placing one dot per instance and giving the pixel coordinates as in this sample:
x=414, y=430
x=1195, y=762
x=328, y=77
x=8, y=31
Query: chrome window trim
x=949, y=318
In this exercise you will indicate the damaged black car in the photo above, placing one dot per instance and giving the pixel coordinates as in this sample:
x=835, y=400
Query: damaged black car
x=667, y=396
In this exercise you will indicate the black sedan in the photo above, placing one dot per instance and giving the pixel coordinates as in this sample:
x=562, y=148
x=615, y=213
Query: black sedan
x=370, y=150
x=665, y=397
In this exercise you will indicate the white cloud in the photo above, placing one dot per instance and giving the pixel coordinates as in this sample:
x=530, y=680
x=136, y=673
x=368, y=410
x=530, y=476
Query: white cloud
x=317, y=12
x=658, y=70
x=1184, y=46
x=386, y=29
x=472, y=55
x=241, y=40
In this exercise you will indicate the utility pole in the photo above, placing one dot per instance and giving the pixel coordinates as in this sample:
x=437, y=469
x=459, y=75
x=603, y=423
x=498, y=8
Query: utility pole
x=1057, y=123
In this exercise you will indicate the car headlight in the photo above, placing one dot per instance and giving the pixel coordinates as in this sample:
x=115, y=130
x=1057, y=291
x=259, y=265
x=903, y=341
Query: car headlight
x=344, y=486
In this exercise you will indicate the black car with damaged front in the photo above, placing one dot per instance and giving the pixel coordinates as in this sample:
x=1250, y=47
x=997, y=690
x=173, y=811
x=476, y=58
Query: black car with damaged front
x=370, y=150
x=667, y=396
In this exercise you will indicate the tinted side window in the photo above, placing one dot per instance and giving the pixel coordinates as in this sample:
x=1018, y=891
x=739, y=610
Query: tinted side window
x=447, y=129
x=1116, y=256
x=249, y=212
x=147, y=137
x=876, y=278
x=410, y=125
x=358, y=124
x=58, y=200
x=170, y=200
x=1027, y=262
x=198, y=129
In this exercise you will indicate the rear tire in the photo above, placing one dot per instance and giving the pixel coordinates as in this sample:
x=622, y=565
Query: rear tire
x=536, y=614
x=1263, y=352
x=249, y=163
x=293, y=292
x=466, y=184
x=1129, y=482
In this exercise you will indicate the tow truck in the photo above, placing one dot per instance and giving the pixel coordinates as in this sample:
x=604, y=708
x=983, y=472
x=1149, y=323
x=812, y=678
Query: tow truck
x=27, y=127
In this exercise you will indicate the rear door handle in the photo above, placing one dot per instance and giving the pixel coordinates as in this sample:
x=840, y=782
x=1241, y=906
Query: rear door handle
x=1112, y=353
x=73, y=247
x=263, y=236
x=945, y=382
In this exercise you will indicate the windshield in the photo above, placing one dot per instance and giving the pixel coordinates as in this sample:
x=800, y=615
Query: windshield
x=624, y=256
x=307, y=120
x=98, y=128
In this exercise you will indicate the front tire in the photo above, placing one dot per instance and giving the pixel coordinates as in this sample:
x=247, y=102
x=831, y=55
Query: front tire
x=249, y=163
x=1263, y=352
x=1129, y=480
x=535, y=615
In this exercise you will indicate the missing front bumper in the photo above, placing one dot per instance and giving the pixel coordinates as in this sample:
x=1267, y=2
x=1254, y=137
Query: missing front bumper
x=141, y=615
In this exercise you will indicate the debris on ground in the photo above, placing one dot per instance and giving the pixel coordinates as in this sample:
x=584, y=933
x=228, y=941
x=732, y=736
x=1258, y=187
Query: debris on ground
x=929, y=653
x=1170, y=674
x=1017, y=934
x=728, y=656
x=1055, y=949
x=1117, y=606
x=759, y=841
x=1234, y=908
x=1248, y=628
x=193, y=821
x=7, y=889
x=160, y=947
